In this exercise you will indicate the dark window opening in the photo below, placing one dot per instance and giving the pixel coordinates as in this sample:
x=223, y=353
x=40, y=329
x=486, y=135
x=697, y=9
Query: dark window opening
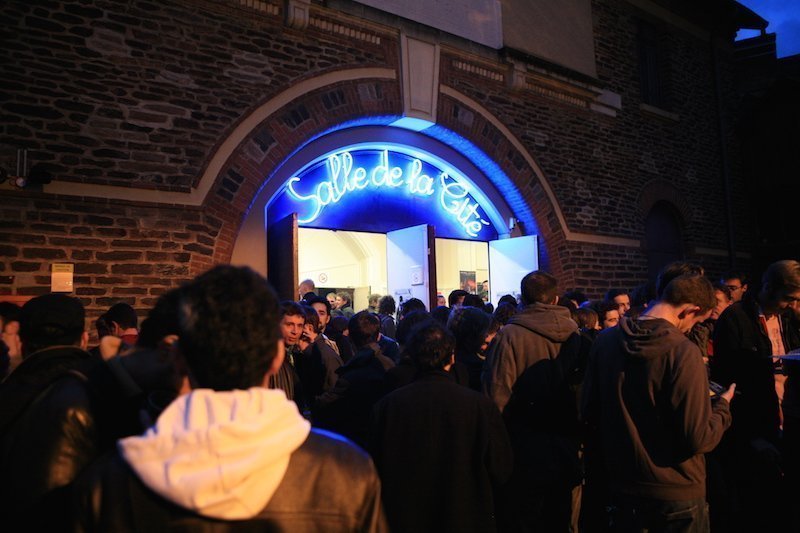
x=651, y=66
x=663, y=237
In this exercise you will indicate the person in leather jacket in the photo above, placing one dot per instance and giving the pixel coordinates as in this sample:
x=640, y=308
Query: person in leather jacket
x=229, y=453
x=47, y=429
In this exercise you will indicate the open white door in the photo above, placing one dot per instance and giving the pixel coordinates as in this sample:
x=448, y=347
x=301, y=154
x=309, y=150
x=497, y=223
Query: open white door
x=509, y=261
x=410, y=265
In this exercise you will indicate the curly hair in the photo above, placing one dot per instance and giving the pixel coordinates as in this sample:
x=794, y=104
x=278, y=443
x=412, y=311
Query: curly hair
x=470, y=326
x=430, y=345
x=229, y=328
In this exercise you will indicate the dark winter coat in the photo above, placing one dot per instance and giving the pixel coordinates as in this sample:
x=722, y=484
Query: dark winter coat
x=646, y=400
x=533, y=334
x=440, y=449
x=742, y=353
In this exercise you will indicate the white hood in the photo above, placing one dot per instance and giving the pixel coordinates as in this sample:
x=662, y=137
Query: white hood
x=219, y=454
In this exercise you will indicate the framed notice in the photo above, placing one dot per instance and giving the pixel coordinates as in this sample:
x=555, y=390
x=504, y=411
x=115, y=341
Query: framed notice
x=61, y=277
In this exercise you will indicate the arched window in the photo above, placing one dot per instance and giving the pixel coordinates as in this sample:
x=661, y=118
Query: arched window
x=663, y=237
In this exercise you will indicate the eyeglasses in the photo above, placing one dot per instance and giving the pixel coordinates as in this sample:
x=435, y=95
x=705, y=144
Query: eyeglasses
x=733, y=287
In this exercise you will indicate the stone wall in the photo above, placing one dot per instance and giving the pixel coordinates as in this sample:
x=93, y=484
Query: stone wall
x=141, y=94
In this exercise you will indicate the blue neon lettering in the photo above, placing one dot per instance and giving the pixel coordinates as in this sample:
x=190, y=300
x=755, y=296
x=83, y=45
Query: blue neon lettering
x=419, y=183
x=454, y=196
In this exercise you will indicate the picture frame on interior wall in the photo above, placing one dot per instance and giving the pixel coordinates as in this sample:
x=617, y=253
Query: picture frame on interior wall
x=468, y=281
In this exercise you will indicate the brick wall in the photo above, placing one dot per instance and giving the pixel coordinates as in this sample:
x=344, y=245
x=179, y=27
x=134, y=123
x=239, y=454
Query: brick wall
x=140, y=94
x=121, y=252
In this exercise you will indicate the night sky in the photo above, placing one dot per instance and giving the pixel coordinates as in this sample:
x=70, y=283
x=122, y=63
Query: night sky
x=784, y=20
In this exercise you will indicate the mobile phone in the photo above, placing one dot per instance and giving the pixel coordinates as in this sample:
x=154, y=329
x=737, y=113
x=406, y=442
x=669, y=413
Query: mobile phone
x=715, y=389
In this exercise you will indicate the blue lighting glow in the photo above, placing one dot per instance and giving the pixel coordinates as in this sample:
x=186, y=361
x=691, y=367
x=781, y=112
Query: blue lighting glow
x=380, y=170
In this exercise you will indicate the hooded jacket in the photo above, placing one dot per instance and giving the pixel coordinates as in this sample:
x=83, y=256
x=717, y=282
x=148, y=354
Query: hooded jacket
x=245, y=457
x=646, y=400
x=533, y=334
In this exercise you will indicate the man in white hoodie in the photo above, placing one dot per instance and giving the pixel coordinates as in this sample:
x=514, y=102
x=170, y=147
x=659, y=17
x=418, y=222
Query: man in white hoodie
x=228, y=449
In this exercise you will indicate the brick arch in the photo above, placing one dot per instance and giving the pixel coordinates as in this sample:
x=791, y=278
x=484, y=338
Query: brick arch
x=284, y=131
x=660, y=190
x=322, y=110
x=532, y=200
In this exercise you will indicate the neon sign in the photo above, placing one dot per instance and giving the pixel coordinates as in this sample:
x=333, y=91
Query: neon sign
x=343, y=177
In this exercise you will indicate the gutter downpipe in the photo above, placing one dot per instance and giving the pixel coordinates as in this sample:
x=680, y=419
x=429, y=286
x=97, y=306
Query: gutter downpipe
x=723, y=145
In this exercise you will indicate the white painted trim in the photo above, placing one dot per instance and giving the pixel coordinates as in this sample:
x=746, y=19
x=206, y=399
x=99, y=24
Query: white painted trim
x=197, y=195
x=568, y=234
x=420, y=76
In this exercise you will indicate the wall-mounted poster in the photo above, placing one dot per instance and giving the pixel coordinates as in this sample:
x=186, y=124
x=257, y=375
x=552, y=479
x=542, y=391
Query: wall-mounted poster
x=468, y=281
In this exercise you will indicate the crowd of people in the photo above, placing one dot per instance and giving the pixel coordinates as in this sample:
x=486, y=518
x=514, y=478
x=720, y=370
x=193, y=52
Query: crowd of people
x=669, y=407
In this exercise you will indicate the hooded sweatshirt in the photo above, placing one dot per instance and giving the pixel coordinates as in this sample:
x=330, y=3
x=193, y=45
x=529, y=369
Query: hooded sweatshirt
x=533, y=334
x=219, y=454
x=646, y=399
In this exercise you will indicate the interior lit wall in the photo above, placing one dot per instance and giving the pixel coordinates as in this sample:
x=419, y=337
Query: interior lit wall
x=344, y=259
x=453, y=256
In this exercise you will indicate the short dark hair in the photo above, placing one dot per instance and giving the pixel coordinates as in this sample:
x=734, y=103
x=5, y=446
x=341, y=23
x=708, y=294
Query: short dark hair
x=508, y=298
x=538, y=287
x=613, y=293
x=672, y=271
x=312, y=317
x=51, y=320
x=290, y=308
x=386, y=305
x=691, y=289
x=363, y=328
x=576, y=295
x=454, y=296
x=442, y=313
x=162, y=320
x=9, y=312
x=410, y=305
x=430, y=346
x=470, y=326
x=320, y=300
x=229, y=329
x=570, y=305
x=473, y=300
x=504, y=312
x=733, y=274
x=336, y=328
x=123, y=314
x=601, y=307
x=408, y=322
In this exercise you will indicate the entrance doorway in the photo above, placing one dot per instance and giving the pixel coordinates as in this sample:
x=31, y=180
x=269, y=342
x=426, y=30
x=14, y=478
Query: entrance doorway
x=403, y=264
x=398, y=263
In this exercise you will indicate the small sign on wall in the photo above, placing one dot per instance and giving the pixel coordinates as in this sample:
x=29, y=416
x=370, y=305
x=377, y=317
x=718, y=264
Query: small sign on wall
x=417, y=277
x=61, y=277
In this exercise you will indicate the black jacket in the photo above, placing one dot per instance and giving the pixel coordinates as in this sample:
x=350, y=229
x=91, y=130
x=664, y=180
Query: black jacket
x=329, y=485
x=60, y=409
x=440, y=449
x=48, y=430
x=346, y=408
x=742, y=353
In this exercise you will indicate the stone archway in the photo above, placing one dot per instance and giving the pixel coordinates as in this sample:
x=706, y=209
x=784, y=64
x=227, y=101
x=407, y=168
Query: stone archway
x=348, y=100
